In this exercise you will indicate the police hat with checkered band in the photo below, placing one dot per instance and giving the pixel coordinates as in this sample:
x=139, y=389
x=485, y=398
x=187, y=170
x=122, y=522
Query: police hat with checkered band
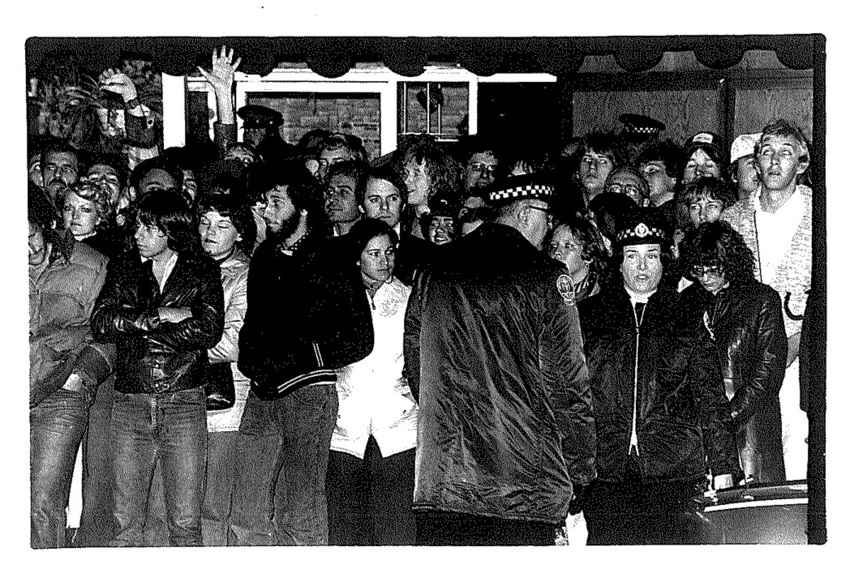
x=642, y=226
x=510, y=189
x=640, y=126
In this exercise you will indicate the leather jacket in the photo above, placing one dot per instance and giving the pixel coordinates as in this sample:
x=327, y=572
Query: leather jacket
x=663, y=379
x=155, y=356
x=747, y=326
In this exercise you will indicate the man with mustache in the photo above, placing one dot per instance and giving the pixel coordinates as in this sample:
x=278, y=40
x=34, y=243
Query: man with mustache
x=305, y=317
x=776, y=223
x=60, y=167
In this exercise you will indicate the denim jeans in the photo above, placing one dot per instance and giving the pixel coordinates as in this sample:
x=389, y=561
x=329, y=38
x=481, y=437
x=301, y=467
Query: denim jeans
x=170, y=428
x=221, y=465
x=281, y=462
x=57, y=425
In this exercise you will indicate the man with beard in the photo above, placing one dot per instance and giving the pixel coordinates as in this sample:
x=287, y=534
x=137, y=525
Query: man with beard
x=776, y=223
x=60, y=167
x=305, y=317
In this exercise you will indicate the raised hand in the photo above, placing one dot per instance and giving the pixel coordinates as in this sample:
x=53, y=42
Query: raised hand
x=112, y=80
x=222, y=72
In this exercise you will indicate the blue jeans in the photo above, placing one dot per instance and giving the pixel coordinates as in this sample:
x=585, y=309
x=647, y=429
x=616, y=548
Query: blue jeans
x=57, y=425
x=281, y=462
x=170, y=428
x=221, y=464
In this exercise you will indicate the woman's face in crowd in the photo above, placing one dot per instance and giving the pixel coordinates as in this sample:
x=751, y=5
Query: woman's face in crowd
x=218, y=235
x=107, y=177
x=418, y=182
x=378, y=259
x=642, y=267
x=704, y=210
x=79, y=215
x=700, y=165
x=441, y=229
x=566, y=249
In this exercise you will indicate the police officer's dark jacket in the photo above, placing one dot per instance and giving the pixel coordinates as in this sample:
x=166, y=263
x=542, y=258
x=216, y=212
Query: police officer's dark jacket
x=493, y=353
x=683, y=422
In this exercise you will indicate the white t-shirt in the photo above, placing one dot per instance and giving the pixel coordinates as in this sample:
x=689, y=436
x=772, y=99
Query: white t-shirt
x=775, y=231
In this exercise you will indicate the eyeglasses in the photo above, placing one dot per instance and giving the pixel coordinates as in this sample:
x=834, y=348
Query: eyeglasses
x=481, y=167
x=544, y=210
x=629, y=190
x=699, y=272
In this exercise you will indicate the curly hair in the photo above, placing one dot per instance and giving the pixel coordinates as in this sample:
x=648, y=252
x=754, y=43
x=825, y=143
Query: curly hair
x=708, y=188
x=718, y=244
x=592, y=246
x=442, y=169
x=94, y=193
x=235, y=207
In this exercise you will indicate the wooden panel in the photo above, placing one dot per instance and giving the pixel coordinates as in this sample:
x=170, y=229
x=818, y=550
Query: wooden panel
x=755, y=108
x=684, y=112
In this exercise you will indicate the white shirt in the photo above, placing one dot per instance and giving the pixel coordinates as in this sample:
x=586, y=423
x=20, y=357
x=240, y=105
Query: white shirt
x=374, y=398
x=775, y=231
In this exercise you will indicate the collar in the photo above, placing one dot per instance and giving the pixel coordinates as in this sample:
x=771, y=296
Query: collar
x=290, y=250
x=63, y=247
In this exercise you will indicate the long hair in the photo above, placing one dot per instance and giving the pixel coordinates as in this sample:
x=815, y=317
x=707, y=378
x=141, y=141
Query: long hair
x=718, y=244
x=98, y=197
x=592, y=246
x=170, y=213
x=442, y=169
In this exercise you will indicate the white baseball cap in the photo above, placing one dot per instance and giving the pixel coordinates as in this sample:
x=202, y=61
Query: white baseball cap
x=744, y=146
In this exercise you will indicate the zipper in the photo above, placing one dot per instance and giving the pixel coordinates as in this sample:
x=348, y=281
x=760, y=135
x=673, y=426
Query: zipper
x=633, y=441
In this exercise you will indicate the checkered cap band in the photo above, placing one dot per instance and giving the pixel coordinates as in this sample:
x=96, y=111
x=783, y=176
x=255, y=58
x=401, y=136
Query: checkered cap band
x=522, y=192
x=640, y=231
x=642, y=129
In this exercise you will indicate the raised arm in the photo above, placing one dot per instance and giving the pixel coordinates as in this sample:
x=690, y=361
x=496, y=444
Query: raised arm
x=220, y=77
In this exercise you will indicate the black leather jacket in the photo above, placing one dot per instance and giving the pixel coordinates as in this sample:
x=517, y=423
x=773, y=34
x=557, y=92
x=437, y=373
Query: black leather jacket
x=683, y=424
x=155, y=356
x=747, y=325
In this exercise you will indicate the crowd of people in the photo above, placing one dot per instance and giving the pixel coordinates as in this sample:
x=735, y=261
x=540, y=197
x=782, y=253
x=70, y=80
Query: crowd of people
x=260, y=343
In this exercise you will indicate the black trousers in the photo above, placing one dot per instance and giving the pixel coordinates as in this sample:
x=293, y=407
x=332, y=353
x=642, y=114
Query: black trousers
x=632, y=513
x=439, y=528
x=370, y=500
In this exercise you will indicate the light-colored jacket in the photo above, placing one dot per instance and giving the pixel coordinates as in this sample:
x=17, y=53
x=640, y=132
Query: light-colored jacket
x=234, y=281
x=793, y=276
x=374, y=398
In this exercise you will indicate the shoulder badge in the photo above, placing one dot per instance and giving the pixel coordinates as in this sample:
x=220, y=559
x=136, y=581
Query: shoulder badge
x=566, y=289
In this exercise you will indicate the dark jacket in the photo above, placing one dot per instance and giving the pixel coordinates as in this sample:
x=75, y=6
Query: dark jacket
x=682, y=413
x=314, y=295
x=154, y=356
x=747, y=326
x=413, y=255
x=493, y=354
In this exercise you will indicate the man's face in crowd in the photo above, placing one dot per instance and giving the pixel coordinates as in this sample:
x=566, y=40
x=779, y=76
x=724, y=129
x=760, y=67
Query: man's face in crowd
x=779, y=161
x=382, y=201
x=60, y=169
x=540, y=223
x=329, y=157
x=593, y=171
x=340, y=200
x=190, y=184
x=642, y=267
x=655, y=173
x=157, y=179
x=254, y=136
x=700, y=165
x=280, y=214
x=106, y=176
x=713, y=279
x=625, y=181
x=34, y=169
x=150, y=240
x=480, y=170
x=746, y=175
x=241, y=154
x=38, y=248
x=418, y=182
x=703, y=210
